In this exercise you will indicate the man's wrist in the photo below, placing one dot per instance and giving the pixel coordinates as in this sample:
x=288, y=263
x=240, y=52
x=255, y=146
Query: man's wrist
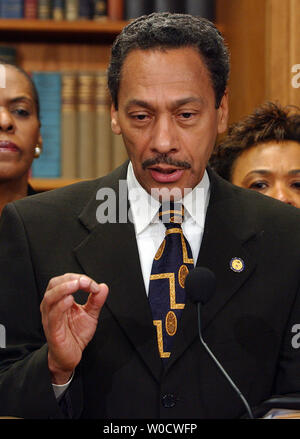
x=61, y=378
x=59, y=389
x=58, y=375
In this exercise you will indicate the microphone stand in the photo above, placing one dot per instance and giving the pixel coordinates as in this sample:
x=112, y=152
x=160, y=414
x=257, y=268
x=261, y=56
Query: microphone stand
x=249, y=411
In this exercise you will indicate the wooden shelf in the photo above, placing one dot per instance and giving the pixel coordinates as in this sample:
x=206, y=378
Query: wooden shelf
x=51, y=26
x=46, y=184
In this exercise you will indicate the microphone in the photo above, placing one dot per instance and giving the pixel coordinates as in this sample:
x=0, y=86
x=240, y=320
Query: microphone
x=200, y=285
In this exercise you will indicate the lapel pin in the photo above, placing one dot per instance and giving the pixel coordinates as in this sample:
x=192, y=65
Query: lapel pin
x=237, y=265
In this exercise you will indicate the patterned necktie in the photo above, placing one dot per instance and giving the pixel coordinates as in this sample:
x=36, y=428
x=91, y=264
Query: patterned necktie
x=172, y=262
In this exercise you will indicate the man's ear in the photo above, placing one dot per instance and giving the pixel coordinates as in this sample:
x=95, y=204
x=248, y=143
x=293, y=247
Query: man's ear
x=115, y=126
x=223, y=112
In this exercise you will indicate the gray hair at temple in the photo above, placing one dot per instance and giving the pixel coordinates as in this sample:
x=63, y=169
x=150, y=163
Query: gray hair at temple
x=164, y=31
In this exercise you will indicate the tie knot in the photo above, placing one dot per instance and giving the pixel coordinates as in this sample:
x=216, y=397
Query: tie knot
x=171, y=213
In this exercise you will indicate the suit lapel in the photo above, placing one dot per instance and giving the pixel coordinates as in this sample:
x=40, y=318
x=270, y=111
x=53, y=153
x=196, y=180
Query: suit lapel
x=226, y=237
x=109, y=254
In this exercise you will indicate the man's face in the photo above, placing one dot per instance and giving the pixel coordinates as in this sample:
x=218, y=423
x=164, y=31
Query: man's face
x=167, y=117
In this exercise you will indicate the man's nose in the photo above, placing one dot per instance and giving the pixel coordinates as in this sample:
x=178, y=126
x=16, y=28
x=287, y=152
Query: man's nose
x=164, y=138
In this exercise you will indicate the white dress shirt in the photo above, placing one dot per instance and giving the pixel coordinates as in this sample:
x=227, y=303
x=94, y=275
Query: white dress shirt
x=150, y=232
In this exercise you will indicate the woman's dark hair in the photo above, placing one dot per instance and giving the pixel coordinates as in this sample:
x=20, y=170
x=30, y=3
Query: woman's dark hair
x=170, y=31
x=29, y=79
x=268, y=123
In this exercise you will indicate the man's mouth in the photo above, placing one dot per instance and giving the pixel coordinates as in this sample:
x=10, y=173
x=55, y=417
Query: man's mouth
x=165, y=174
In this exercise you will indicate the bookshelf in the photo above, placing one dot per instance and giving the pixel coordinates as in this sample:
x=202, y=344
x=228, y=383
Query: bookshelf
x=40, y=27
x=48, y=45
x=54, y=45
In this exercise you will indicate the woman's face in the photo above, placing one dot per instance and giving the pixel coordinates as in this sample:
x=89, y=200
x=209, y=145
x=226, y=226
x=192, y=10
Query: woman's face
x=19, y=125
x=271, y=168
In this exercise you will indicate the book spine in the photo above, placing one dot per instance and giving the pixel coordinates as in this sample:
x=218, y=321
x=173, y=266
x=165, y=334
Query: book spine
x=86, y=125
x=136, y=8
x=175, y=6
x=12, y=9
x=30, y=9
x=71, y=10
x=202, y=8
x=48, y=86
x=69, y=125
x=100, y=9
x=58, y=9
x=103, y=133
x=85, y=9
x=44, y=10
x=115, y=9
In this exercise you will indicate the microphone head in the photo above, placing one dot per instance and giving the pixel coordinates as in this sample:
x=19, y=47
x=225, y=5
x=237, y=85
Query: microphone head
x=200, y=285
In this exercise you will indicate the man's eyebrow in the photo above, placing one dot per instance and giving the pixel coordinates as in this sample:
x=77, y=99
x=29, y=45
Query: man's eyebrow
x=188, y=100
x=138, y=103
x=175, y=104
x=294, y=171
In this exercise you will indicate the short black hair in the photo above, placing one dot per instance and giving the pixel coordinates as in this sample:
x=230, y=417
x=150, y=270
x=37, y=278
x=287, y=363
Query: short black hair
x=269, y=122
x=34, y=91
x=170, y=31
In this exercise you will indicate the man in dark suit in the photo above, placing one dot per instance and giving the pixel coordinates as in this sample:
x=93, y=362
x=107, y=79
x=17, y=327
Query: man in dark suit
x=102, y=356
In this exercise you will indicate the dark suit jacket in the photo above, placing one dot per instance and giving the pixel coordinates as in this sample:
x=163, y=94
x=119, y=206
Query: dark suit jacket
x=247, y=324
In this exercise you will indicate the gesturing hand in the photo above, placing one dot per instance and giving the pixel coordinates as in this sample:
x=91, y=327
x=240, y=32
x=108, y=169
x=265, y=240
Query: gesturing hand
x=69, y=326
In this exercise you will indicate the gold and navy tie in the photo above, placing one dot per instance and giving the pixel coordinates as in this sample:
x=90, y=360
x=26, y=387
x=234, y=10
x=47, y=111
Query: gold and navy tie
x=172, y=262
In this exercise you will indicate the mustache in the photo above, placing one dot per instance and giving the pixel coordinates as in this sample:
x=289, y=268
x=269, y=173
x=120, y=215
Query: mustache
x=166, y=160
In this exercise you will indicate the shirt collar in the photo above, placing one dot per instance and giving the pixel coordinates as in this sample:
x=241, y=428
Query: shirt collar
x=144, y=208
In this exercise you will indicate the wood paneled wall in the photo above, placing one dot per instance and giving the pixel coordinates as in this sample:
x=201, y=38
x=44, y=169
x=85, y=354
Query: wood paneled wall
x=263, y=38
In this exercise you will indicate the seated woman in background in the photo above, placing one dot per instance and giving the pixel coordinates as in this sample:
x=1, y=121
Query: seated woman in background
x=20, y=138
x=262, y=152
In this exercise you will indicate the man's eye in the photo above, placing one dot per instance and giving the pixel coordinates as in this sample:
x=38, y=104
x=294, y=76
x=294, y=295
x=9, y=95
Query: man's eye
x=186, y=115
x=141, y=116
